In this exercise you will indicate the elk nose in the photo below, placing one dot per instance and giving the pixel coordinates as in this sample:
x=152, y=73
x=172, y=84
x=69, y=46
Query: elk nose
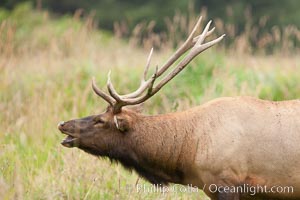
x=60, y=124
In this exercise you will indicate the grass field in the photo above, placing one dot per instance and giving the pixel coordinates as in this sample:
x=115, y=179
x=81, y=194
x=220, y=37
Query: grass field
x=46, y=67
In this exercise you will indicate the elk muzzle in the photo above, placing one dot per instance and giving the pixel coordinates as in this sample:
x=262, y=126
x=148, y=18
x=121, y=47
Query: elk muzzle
x=68, y=128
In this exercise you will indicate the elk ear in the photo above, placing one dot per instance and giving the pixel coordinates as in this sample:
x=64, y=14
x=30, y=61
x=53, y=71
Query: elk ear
x=121, y=123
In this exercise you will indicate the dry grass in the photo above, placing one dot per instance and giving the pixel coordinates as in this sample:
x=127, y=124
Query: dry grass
x=45, y=72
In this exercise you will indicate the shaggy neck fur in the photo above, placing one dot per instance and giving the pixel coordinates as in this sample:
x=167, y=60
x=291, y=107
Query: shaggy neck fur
x=160, y=148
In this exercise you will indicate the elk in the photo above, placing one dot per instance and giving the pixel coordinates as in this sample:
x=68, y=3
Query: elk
x=228, y=142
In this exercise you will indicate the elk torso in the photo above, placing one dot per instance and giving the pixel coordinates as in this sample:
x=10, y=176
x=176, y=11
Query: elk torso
x=229, y=141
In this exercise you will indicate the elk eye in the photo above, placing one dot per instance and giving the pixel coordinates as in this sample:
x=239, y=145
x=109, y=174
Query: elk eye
x=98, y=120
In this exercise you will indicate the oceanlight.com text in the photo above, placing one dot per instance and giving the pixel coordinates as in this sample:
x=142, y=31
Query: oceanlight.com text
x=249, y=189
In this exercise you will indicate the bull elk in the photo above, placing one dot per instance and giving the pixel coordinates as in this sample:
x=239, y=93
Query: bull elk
x=227, y=142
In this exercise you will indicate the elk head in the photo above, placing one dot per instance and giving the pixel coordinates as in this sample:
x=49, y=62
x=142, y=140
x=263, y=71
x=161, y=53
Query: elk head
x=101, y=134
x=98, y=134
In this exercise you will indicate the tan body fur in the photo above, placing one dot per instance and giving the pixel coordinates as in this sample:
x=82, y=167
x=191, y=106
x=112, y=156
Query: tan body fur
x=228, y=141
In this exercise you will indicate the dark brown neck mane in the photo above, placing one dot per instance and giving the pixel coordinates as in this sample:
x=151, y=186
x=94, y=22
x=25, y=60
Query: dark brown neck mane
x=158, y=148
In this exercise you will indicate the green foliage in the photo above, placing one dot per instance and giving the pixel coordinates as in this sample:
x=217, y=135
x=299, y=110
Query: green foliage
x=133, y=11
x=46, y=78
x=240, y=12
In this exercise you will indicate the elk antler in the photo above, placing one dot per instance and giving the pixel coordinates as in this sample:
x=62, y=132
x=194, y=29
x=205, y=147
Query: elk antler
x=193, y=43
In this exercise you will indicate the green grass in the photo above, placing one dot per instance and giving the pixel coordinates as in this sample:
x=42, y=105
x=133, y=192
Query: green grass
x=46, y=67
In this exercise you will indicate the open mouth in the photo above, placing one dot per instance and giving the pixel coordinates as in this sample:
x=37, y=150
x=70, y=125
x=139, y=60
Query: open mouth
x=70, y=141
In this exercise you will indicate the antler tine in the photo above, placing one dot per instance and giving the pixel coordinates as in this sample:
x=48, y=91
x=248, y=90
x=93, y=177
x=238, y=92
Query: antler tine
x=194, y=44
x=209, y=44
x=100, y=93
x=144, y=84
x=112, y=90
x=147, y=65
x=203, y=34
x=141, y=99
x=119, y=101
x=186, y=46
x=196, y=49
x=181, y=50
x=207, y=34
x=123, y=99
